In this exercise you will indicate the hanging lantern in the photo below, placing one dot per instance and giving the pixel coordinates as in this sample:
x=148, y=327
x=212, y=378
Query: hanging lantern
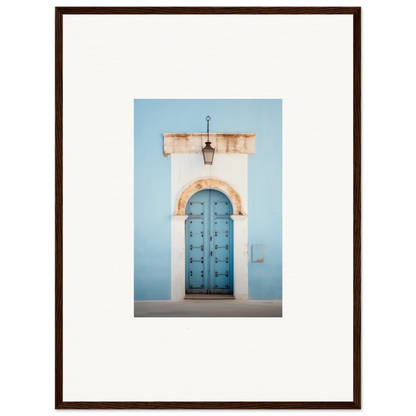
x=208, y=151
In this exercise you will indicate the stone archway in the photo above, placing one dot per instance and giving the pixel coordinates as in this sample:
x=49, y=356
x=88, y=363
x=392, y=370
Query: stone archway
x=209, y=183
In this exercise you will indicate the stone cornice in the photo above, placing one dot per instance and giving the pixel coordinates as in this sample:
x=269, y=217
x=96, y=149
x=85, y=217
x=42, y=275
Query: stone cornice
x=192, y=143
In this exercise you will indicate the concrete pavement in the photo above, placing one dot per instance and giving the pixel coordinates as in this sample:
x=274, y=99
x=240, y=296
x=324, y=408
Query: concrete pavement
x=208, y=308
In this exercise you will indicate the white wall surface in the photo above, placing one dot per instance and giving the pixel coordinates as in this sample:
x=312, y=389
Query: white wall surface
x=186, y=169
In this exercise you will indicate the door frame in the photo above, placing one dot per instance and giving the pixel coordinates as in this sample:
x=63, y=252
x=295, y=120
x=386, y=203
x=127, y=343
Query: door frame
x=240, y=238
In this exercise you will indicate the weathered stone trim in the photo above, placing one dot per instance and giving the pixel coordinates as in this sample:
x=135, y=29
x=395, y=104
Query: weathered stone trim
x=192, y=143
x=180, y=217
x=209, y=183
x=238, y=217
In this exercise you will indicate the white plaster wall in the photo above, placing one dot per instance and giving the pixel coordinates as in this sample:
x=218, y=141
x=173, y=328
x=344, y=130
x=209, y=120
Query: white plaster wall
x=185, y=169
x=178, y=257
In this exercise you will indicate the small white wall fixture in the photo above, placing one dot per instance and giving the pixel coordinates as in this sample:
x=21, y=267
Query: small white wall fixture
x=228, y=175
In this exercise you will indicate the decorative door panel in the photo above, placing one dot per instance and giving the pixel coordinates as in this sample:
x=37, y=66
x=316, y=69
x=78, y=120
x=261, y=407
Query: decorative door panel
x=209, y=244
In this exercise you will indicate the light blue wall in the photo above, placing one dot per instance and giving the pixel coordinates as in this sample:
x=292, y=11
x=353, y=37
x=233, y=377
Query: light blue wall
x=152, y=118
x=265, y=200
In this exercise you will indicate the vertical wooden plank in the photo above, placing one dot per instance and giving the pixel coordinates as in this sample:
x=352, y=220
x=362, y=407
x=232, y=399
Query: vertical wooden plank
x=357, y=207
x=58, y=207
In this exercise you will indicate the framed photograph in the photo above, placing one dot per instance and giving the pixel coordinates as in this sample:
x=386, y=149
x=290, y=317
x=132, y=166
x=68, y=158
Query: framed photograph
x=208, y=207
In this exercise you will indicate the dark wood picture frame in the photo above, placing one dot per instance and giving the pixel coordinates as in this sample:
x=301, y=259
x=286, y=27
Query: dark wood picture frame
x=356, y=13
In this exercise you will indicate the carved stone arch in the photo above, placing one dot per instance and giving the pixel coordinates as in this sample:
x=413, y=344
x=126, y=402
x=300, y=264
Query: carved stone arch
x=209, y=183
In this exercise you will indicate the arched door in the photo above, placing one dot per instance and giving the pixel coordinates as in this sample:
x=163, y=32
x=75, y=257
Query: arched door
x=209, y=250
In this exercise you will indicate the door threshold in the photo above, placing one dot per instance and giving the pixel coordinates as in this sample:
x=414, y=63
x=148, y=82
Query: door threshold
x=208, y=297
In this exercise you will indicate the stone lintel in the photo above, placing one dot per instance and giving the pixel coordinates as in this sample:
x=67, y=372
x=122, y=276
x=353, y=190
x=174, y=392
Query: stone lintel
x=192, y=143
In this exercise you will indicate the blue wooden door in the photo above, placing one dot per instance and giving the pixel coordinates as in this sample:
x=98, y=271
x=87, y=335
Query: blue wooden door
x=209, y=259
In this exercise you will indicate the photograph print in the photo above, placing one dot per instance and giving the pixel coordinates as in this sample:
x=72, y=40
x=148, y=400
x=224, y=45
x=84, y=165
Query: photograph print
x=208, y=208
